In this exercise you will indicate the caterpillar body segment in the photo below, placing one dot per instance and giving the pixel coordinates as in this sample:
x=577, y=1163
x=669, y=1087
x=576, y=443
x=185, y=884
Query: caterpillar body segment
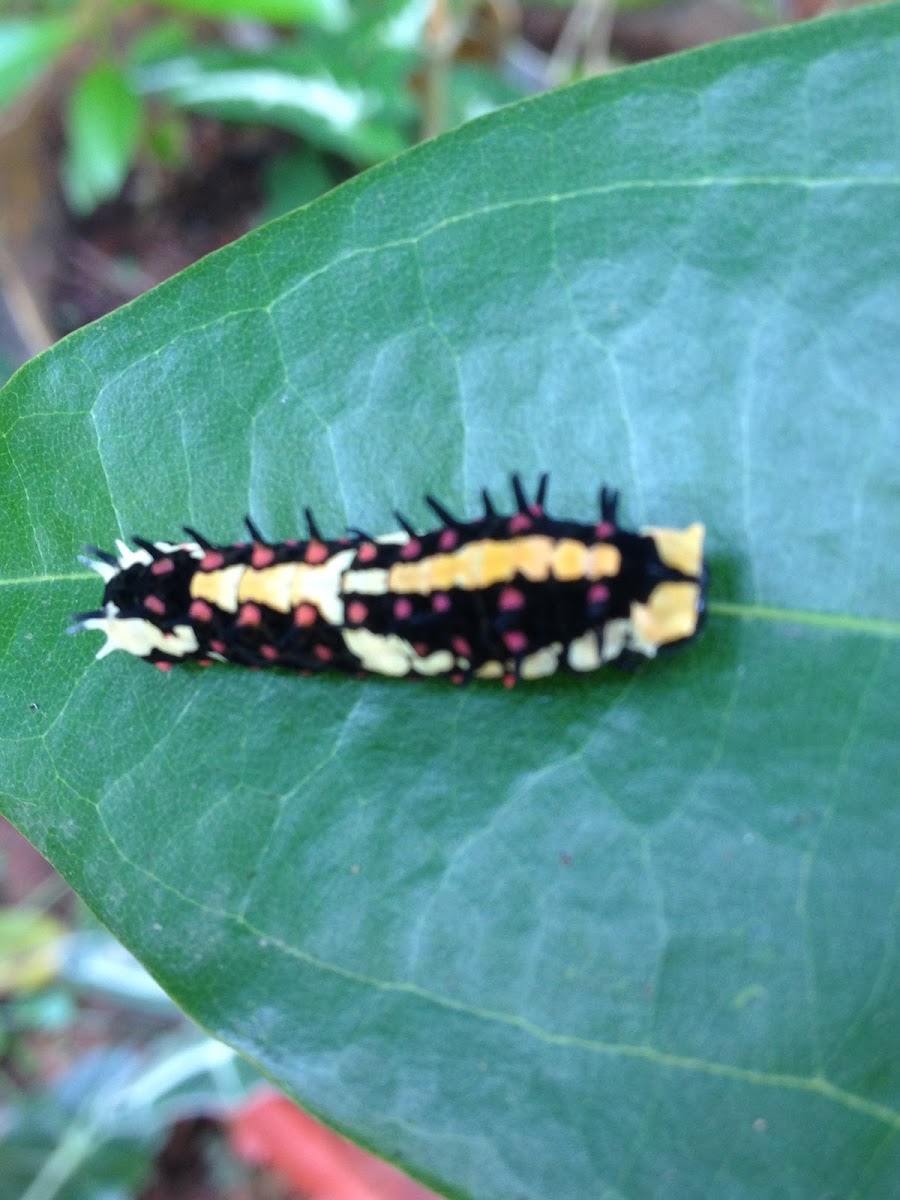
x=501, y=596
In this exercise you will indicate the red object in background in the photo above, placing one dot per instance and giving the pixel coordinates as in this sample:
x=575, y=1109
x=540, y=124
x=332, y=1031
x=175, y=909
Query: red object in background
x=319, y=1164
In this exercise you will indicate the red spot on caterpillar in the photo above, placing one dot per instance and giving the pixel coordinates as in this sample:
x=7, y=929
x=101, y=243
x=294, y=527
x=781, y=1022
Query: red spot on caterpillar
x=316, y=552
x=163, y=666
x=323, y=653
x=162, y=566
x=462, y=647
x=411, y=549
x=598, y=594
x=250, y=615
x=403, y=608
x=509, y=680
x=367, y=552
x=422, y=649
x=519, y=522
x=218, y=647
x=440, y=602
x=200, y=611
x=155, y=604
x=269, y=653
x=305, y=615
x=262, y=556
x=212, y=560
x=449, y=539
x=357, y=612
x=604, y=531
x=510, y=599
x=536, y=510
x=515, y=641
x=204, y=662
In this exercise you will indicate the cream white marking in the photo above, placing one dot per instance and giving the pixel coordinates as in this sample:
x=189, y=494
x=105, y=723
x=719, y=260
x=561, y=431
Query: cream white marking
x=679, y=548
x=490, y=670
x=435, y=663
x=618, y=635
x=542, y=662
x=615, y=638
x=106, y=571
x=129, y=558
x=583, y=653
x=392, y=655
x=282, y=587
x=637, y=642
x=385, y=655
x=321, y=586
x=373, y=582
x=219, y=587
x=137, y=636
x=270, y=586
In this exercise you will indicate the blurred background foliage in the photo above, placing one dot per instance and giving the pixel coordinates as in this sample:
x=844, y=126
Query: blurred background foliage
x=137, y=137
x=134, y=139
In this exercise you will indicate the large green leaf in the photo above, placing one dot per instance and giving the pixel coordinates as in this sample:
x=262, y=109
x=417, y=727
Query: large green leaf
x=620, y=936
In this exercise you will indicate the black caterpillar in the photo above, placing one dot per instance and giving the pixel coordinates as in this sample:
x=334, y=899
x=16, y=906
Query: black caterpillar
x=506, y=597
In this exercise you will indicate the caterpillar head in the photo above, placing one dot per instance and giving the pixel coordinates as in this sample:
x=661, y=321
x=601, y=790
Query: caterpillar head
x=126, y=617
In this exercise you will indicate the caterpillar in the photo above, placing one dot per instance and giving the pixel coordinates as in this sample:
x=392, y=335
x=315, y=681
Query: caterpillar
x=502, y=596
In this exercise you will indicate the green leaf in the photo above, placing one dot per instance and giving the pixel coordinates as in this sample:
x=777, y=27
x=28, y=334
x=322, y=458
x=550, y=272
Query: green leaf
x=625, y=936
x=306, y=89
x=27, y=47
x=44, y=1139
x=476, y=90
x=296, y=177
x=104, y=128
x=329, y=14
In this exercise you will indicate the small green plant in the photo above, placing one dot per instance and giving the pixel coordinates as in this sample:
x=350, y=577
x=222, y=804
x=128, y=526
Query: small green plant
x=340, y=74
